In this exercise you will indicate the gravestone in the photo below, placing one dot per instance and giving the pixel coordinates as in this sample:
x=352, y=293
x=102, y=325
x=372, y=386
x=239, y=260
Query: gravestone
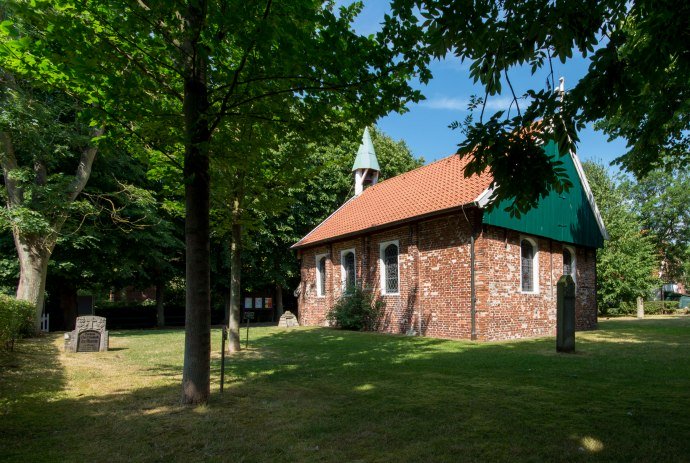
x=288, y=320
x=89, y=335
x=640, y=307
x=565, y=314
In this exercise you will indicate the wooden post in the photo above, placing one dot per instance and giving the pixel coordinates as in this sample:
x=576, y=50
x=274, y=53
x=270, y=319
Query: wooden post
x=640, y=308
x=565, y=314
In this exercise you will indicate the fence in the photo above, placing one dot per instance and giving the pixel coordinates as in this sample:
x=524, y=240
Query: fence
x=45, y=323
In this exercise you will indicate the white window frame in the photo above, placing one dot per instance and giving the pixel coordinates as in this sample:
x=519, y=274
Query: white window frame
x=535, y=265
x=342, y=267
x=573, y=262
x=382, y=266
x=318, y=258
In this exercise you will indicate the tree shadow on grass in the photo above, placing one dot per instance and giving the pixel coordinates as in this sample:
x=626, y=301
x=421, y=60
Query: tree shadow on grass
x=30, y=376
x=325, y=395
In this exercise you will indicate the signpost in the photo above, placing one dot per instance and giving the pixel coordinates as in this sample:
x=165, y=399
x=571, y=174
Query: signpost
x=248, y=316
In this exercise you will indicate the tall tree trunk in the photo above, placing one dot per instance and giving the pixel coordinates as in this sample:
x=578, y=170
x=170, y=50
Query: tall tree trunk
x=160, y=306
x=33, y=270
x=279, y=301
x=196, y=373
x=235, y=285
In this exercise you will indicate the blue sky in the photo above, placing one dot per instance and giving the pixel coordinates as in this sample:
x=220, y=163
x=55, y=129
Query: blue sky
x=425, y=127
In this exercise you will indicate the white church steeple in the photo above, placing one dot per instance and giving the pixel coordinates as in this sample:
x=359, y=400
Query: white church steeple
x=366, y=166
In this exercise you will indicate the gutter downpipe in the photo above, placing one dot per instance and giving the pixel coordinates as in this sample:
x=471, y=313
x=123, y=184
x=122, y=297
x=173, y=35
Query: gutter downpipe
x=473, y=295
x=473, y=290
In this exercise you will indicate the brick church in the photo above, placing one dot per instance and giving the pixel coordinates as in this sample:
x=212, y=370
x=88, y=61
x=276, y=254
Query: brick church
x=443, y=264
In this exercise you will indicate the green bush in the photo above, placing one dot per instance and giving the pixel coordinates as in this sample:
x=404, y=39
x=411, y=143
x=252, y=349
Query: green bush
x=356, y=310
x=660, y=307
x=16, y=320
x=650, y=308
x=625, y=308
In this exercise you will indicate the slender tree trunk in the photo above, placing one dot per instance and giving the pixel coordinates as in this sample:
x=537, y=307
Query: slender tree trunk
x=197, y=352
x=279, y=301
x=235, y=285
x=33, y=270
x=160, y=306
x=196, y=373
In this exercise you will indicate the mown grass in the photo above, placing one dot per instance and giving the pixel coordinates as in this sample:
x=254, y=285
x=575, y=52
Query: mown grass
x=324, y=395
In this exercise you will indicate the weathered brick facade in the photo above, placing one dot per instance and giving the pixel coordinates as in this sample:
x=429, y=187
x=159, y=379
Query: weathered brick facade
x=434, y=294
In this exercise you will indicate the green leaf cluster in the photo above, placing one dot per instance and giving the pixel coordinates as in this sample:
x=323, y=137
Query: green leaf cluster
x=357, y=309
x=661, y=201
x=16, y=320
x=636, y=86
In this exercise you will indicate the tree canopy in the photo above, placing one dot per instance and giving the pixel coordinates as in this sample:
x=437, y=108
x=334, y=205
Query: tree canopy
x=662, y=200
x=189, y=70
x=636, y=86
x=628, y=264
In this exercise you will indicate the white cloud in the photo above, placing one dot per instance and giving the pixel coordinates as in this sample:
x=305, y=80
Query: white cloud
x=460, y=104
x=451, y=104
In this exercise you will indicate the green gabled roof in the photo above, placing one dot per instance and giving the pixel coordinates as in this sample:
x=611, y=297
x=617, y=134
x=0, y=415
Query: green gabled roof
x=570, y=217
x=366, y=156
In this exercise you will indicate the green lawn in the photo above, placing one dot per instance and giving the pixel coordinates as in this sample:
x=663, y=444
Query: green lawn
x=324, y=395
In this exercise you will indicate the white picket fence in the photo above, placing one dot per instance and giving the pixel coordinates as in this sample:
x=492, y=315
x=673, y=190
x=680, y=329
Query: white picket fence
x=45, y=323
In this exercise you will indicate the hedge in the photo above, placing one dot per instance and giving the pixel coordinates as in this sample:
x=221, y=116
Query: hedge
x=16, y=320
x=650, y=308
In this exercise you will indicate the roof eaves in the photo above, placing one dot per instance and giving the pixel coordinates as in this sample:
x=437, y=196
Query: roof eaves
x=383, y=226
x=297, y=244
x=483, y=199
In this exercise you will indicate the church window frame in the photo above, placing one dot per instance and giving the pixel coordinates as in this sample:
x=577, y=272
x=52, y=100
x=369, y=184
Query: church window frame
x=348, y=273
x=321, y=275
x=529, y=266
x=390, y=284
x=573, y=262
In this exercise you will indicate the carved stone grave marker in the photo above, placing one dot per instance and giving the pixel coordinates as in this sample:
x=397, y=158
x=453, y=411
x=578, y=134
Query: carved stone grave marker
x=565, y=314
x=288, y=320
x=89, y=335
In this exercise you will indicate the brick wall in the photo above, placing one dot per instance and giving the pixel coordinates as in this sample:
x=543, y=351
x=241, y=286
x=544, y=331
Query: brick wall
x=435, y=278
x=503, y=310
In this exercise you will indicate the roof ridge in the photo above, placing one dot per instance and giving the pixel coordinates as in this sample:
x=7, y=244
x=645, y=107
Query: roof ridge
x=421, y=192
x=405, y=174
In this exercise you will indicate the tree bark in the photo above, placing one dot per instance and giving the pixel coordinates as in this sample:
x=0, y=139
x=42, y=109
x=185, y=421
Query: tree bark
x=160, y=306
x=196, y=374
x=235, y=284
x=33, y=270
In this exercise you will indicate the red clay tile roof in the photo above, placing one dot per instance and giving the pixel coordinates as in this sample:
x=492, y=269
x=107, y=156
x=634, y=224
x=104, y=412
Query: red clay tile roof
x=430, y=189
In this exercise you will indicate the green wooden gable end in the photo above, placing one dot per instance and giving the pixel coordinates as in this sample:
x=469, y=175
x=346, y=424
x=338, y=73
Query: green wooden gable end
x=570, y=217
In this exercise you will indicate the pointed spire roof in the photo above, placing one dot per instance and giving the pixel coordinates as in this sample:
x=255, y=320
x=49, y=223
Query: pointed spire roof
x=366, y=156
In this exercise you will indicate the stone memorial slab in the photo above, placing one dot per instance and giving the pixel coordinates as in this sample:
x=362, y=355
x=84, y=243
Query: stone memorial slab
x=89, y=335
